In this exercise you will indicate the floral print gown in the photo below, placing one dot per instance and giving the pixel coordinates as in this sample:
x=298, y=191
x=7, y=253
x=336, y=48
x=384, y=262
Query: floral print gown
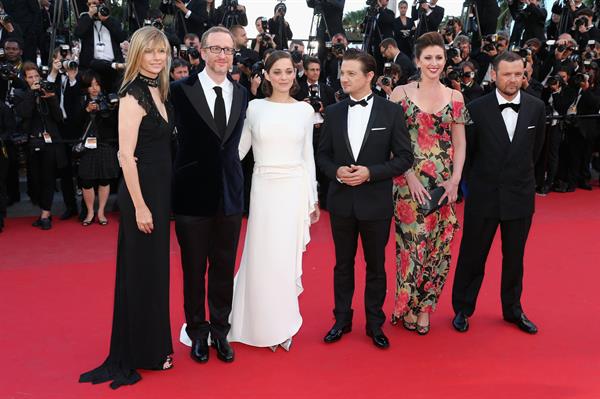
x=423, y=242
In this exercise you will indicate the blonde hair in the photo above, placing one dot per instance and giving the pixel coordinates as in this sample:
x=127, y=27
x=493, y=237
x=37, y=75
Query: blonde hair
x=142, y=39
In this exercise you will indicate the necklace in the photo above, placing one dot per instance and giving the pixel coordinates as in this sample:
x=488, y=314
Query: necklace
x=152, y=82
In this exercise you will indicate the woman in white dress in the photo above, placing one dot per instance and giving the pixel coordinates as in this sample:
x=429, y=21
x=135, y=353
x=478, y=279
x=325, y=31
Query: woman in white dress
x=283, y=204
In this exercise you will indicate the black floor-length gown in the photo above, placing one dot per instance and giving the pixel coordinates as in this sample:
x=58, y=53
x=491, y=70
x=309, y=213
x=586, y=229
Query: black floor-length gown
x=141, y=332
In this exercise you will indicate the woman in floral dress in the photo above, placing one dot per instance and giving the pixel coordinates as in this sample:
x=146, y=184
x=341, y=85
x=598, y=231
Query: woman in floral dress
x=435, y=117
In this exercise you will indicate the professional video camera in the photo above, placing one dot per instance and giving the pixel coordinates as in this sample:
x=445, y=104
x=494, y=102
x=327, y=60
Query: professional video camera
x=313, y=97
x=105, y=102
x=387, y=78
x=191, y=52
x=157, y=23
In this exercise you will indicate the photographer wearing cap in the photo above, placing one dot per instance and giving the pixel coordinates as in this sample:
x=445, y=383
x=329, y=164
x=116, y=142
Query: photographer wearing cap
x=279, y=27
x=100, y=35
x=39, y=109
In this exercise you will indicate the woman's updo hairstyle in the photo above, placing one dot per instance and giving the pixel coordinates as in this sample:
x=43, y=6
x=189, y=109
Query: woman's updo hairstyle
x=429, y=39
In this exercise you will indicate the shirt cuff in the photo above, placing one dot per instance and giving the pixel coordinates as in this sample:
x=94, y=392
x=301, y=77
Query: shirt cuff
x=187, y=14
x=339, y=180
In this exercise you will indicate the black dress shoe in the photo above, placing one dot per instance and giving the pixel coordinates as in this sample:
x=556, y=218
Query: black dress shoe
x=38, y=222
x=585, y=186
x=224, y=350
x=335, y=334
x=379, y=339
x=69, y=213
x=200, y=350
x=460, y=322
x=523, y=323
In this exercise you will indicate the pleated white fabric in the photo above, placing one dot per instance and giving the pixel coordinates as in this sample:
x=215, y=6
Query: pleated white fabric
x=265, y=309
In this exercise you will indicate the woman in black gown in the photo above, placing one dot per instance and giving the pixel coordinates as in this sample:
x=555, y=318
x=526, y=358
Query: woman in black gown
x=141, y=332
x=404, y=30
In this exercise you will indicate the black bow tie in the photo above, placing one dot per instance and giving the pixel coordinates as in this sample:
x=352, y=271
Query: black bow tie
x=363, y=102
x=515, y=107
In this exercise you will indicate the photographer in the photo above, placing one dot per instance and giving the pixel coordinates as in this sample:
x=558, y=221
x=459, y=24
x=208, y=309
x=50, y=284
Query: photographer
x=583, y=29
x=532, y=16
x=491, y=46
x=558, y=55
x=429, y=15
x=264, y=40
x=189, y=51
x=279, y=27
x=553, y=27
x=67, y=89
x=319, y=96
x=10, y=30
x=404, y=30
x=389, y=50
x=332, y=12
x=155, y=18
x=100, y=35
x=231, y=13
x=386, y=83
x=240, y=41
x=297, y=53
x=26, y=14
x=530, y=84
x=7, y=127
x=193, y=16
x=463, y=80
x=333, y=61
x=452, y=30
x=39, y=109
x=98, y=164
x=180, y=69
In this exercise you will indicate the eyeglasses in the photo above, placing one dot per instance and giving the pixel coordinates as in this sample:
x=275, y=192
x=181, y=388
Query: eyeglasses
x=218, y=49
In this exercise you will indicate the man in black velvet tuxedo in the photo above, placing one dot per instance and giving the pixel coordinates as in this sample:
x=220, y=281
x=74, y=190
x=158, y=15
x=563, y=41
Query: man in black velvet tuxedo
x=358, y=137
x=208, y=191
x=503, y=144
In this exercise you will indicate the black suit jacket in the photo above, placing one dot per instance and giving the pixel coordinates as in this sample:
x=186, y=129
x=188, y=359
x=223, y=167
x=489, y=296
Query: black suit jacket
x=534, y=20
x=501, y=177
x=207, y=173
x=85, y=31
x=326, y=93
x=371, y=200
x=406, y=65
x=432, y=21
x=198, y=22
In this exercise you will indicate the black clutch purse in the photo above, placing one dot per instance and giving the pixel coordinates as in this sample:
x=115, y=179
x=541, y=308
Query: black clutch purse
x=431, y=205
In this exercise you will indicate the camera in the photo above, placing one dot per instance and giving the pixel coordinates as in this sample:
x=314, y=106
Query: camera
x=5, y=18
x=579, y=78
x=387, y=79
x=105, y=102
x=523, y=52
x=191, y=52
x=257, y=69
x=68, y=65
x=103, y=10
x=453, y=52
x=8, y=71
x=453, y=75
x=313, y=97
x=154, y=22
x=264, y=23
x=296, y=55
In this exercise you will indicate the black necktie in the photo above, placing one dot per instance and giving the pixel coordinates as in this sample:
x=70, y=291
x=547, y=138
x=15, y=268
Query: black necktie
x=363, y=102
x=515, y=107
x=220, y=117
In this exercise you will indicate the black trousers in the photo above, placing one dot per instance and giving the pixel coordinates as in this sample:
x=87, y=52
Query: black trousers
x=3, y=191
x=478, y=235
x=578, y=148
x=66, y=182
x=42, y=165
x=374, y=235
x=213, y=240
x=546, y=167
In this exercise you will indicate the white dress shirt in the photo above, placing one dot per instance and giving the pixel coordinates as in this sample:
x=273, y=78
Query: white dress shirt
x=508, y=114
x=63, y=86
x=358, y=118
x=102, y=43
x=211, y=96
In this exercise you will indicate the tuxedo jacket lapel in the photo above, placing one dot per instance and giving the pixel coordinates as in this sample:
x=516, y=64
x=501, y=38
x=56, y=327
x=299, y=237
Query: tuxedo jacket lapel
x=497, y=120
x=236, y=107
x=524, y=110
x=344, y=129
x=372, y=116
x=193, y=90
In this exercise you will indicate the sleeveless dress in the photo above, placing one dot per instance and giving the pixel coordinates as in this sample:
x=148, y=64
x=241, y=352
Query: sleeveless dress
x=265, y=309
x=141, y=331
x=423, y=242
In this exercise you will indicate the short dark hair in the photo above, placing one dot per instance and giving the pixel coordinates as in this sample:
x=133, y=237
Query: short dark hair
x=29, y=66
x=467, y=64
x=297, y=43
x=402, y=2
x=585, y=12
x=507, y=56
x=387, y=42
x=14, y=40
x=310, y=60
x=267, y=87
x=154, y=13
x=368, y=63
x=235, y=28
x=87, y=77
x=179, y=62
x=429, y=39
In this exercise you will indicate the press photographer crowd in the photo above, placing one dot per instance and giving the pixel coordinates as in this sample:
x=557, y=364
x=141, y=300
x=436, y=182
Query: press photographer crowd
x=61, y=64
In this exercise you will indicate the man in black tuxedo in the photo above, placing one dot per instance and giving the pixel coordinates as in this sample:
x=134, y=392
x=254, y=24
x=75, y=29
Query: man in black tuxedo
x=357, y=138
x=390, y=51
x=504, y=141
x=208, y=191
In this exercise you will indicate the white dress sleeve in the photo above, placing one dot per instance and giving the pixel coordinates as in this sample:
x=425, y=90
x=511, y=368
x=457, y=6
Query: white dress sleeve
x=309, y=156
x=246, y=138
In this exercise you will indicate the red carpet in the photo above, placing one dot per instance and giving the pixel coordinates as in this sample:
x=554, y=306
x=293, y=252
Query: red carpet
x=56, y=308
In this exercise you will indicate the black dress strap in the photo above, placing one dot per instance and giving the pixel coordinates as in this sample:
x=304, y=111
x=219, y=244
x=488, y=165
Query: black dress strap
x=139, y=91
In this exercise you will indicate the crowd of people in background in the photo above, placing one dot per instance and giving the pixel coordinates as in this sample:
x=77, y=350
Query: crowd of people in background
x=57, y=115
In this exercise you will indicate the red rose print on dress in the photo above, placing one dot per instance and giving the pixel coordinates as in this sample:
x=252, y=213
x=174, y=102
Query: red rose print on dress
x=429, y=168
x=405, y=213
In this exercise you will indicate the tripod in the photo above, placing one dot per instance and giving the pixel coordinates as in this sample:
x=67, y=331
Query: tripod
x=370, y=26
x=130, y=15
x=313, y=33
x=58, y=21
x=470, y=20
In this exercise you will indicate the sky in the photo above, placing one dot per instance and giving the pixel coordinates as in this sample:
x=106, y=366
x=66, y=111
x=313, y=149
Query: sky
x=299, y=15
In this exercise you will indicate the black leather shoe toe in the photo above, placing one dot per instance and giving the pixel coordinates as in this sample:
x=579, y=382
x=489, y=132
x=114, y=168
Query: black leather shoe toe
x=460, y=322
x=224, y=350
x=335, y=334
x=523, y=323
x=379, y=339
x=200, y=350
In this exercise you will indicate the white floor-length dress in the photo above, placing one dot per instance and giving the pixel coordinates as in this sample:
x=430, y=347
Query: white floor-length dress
x=265, y=309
